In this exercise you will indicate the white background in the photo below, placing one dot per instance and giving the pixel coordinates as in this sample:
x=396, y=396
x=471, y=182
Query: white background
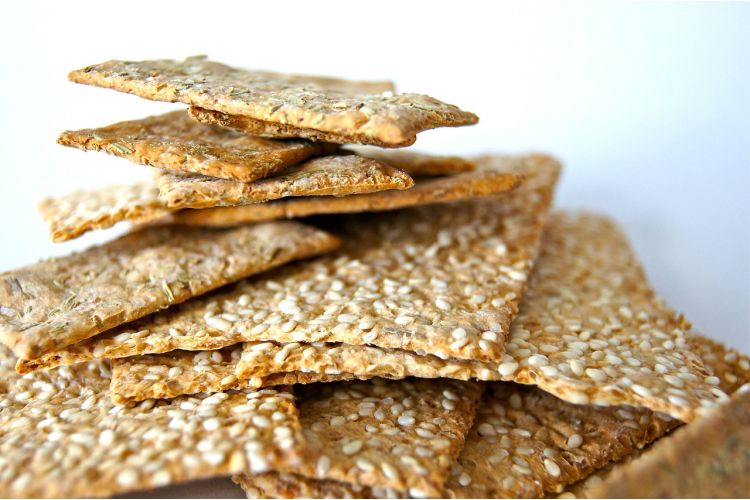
x=648, y=105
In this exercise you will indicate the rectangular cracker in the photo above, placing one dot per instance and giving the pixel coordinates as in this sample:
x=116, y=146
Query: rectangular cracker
x=339, y=175
x=430, y=257
x=175, y=142
x=71, y=215
x=61, y=436
x=417, y=164
x=493, y=175
x=601, y=338
x=166, y=376
x=287, y=107
x=58, y=302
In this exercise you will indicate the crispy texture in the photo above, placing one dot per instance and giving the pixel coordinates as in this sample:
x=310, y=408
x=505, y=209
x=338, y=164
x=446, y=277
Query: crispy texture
x=173, y=141
x=494, y=175
x=71, y=215
x=324, y=176
x=729, y=365
x=581, y=336
x=380, y=445
x=457, y=254
x=55, y=303
x=61, y=436
x=709, y=459
x=418, y=164
x=176, y=373
x=288, y=107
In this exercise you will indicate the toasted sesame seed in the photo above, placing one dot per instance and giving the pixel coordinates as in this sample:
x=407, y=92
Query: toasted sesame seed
x=552, y=467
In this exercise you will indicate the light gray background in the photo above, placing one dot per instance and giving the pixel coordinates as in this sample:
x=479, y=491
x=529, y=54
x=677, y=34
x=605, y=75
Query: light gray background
x=648, y=105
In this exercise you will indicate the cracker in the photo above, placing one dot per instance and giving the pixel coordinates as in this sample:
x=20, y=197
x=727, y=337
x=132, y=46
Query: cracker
x=418, y=164
x=730, y=366
x=176, y=373
x=709, y=459
x=493, y=175
x=173, y=141
x=403, y=435
x=71, y=215
x=324, y=176
x=61, y=436
x=57, y=302
x=437, y=262
x=286, y=107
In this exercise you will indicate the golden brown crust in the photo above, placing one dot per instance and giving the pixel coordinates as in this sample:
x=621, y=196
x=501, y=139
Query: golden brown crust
x=418, y=164
x=324, y=176
x=494, y=175
x=352, y=116
x=61, y=436
x=58, y=302
x=730, y=366
x=173, y=141
x=69, y=216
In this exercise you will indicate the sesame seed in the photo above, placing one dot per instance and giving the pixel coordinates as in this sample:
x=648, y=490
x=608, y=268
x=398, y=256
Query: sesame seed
x=552, y=467
x=127, y=477
x=323, y=466
x=459, y=333
x=507, y=368
x=576, y=367
x=351, y=447
x=442, y=304
x=406, y=420
x=464, y=479
x=641, y=391
x=538, y=360
x=596, y=374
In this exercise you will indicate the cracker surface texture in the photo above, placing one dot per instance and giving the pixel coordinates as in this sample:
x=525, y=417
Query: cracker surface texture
x=55, y=303
x=323, y=176
x=173, y=141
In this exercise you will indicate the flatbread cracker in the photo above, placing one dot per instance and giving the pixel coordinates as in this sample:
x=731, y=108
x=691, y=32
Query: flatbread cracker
x=173, y=141
x=418, y=164
x=71, y=215
x=730, y=366
x=493, y=175
x=461, y=268
x=299, y=108
x=339, y=175
x=61, y=436
x=403, y=435
x=58, y=302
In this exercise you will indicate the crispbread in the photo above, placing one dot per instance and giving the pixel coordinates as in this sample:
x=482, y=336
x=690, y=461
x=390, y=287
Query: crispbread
x=71, y=215
x=338, y=175
x=430, y=257
x=493, y=175
x=729, y=365
x=61, y=436
x=418, y=164
x=709, y=459
x=176, y=373
x=299, y=107
x=174, y=141
x=57, y=302
x=403, y=435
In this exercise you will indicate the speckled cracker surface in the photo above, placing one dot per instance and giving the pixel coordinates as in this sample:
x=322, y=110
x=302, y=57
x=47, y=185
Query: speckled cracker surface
x=418, y=164
x=526, y=443
x=493, y=175
x=324, y=176
x=730, y=366
x=445, y=280
x=313, y=110
x=57, y=302
x=174, y=141
x=403, y=435
x=708, y=459
x=61, y=436
x=71, y=215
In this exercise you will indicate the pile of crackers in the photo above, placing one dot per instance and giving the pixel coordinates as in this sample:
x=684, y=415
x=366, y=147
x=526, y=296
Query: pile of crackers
x=302, y=306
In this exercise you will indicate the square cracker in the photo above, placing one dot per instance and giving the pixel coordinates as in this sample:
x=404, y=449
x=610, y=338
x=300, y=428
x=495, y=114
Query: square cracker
x=493, y=175
x=173, y=141
x=416, y=279
x=339, y=175
x=71, y=215
x=585, y=337
x=54, y=303
x=61, y=436
x=287, y=107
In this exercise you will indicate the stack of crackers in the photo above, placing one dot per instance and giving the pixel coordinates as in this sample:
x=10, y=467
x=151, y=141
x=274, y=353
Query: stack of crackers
x=305, y=308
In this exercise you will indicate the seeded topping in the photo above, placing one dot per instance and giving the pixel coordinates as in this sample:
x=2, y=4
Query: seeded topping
x=61, y=436
x=174, y=141
x=57, y=302
x=71, y=215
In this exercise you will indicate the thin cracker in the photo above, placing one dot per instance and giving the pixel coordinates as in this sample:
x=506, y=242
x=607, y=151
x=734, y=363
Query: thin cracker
x=299, y=108
x=339, y=175
x=418, y=164
x=71, y=215
x=480, y=248
x=58, y=302
x=491, y=177
x=61, y=436
x=173, y=141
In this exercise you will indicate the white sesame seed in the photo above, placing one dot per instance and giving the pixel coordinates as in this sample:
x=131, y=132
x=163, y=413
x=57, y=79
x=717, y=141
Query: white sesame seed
x=127, y=477
x=552, y=467
x=538, y=360
x=596, y=374
x=442, y=304
x=464, y=479
x=507, y=368
x=641, y=391
x=486, y=429
x=673, y=380
x=406, y=420
x=351, y=447
x=576, y=367
x=459, y=333
x=219, y=324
